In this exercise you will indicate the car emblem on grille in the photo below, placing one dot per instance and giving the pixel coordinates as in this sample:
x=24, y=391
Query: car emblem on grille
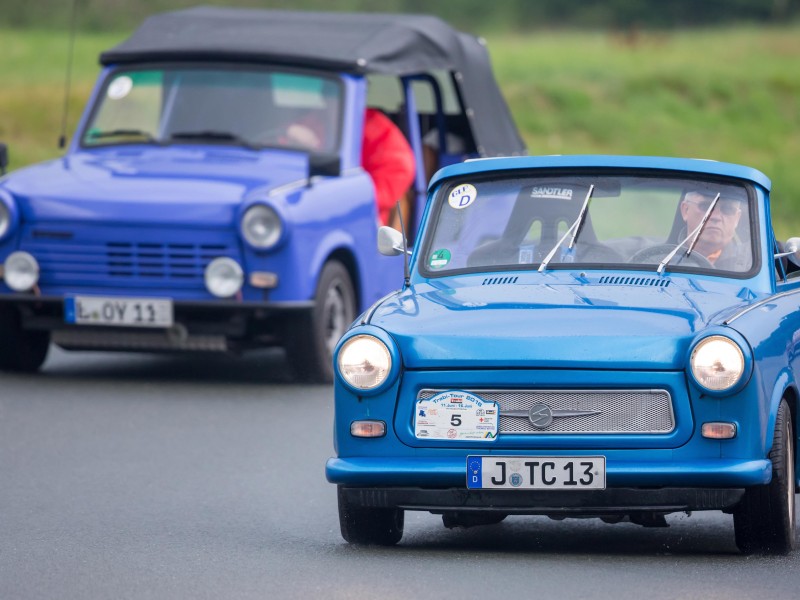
x=540, y=415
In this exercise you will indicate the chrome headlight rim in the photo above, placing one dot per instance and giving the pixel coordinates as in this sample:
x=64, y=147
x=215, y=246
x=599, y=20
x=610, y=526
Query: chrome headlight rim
x=219, y=266
x=29, y=275
x=384, y=345
x=731, y=351
x=256, y=215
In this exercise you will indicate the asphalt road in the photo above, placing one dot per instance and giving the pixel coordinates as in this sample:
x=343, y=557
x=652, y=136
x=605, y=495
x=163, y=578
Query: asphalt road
x=125, y=476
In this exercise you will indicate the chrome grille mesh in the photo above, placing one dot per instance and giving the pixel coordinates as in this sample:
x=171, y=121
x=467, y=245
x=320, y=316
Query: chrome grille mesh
x=618, y=411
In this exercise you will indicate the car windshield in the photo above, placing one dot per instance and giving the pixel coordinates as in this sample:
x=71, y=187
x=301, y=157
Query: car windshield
x=248, y=107
x=591, y=221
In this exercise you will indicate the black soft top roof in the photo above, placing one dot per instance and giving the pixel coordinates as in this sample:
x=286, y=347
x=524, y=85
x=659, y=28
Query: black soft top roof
x=393, y=44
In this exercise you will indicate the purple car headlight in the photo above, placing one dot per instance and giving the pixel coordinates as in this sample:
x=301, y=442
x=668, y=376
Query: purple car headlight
x=5, y=220
x=262, y=227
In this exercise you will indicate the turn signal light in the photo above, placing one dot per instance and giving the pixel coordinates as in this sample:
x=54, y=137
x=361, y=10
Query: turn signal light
x=719, y=431
x=368, y=429
x=263, y=279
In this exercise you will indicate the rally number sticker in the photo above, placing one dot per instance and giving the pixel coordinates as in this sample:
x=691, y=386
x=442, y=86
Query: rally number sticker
x=456, y=415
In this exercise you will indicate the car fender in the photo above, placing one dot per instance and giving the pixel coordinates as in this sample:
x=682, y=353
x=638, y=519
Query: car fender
x=783, y=381
x=332, y=242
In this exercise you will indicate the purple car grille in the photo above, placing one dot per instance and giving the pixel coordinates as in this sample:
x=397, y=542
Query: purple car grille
x=147, y=260
x=117, y=259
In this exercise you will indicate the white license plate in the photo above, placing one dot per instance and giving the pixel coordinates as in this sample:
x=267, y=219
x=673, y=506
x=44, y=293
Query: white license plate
x=122, y=312
x=537, y=472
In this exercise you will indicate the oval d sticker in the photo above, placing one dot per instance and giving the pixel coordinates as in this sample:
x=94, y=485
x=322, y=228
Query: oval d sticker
x=462, y=196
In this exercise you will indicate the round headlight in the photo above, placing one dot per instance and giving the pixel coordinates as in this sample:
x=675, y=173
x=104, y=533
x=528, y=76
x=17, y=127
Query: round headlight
x=5, y=220
x=224, y=277
x=261, y=226
x=717, y=363
x=21, y=271
x=364, y=362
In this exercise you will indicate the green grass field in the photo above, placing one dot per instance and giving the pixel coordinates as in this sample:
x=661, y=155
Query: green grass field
x=731, y=95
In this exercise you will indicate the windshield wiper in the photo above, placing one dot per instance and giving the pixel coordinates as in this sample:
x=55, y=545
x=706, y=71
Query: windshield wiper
x=210, y=134
x=122, y=133
x=574, y=229
x=694, y=236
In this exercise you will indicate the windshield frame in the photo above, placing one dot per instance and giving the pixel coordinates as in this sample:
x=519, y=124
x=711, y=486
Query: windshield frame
x=425, y=247
x=113, y=72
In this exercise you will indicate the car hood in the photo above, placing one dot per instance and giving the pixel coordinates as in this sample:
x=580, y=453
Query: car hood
x=153, y=185
x=554, y=325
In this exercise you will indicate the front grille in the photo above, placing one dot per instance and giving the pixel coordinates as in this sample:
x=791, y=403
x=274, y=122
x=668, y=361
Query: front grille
x=614, y=411
x=120, y=256
x=163, y=261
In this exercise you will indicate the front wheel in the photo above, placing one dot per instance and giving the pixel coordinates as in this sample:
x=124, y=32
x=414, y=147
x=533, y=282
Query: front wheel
x=764, y=521
x=310, y=345
x=376, y=526
x=20, y=350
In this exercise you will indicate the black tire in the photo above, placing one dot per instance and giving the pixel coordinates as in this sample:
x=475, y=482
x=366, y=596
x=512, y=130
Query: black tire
x=311, y=340
x=21, y=351
x=764, y=521
x=372, y=526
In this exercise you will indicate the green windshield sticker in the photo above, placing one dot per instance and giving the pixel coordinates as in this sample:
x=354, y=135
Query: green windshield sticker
x=146, y=77
x=439, y=259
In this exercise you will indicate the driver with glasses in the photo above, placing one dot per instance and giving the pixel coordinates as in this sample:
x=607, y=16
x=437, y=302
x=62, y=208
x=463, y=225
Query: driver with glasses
x=717, y=241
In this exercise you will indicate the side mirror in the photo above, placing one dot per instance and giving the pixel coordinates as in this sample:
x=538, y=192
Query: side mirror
x=791, y=250
x=329, y=165
x=390, y=241
x=3, y=158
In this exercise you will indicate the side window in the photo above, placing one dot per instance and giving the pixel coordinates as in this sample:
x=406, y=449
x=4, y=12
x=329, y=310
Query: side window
x=445, y=137
x=385, y=92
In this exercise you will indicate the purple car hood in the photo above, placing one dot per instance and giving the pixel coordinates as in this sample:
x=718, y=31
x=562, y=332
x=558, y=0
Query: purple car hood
x=554, y=325
x=153, y=185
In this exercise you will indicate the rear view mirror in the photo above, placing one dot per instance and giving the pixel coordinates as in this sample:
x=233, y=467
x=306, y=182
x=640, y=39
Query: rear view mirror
x=390, y=241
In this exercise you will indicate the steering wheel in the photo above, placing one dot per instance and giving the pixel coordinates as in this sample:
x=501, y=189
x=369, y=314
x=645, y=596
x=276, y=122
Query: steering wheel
x=270, y=135
x=598, y=253
x=655, y=254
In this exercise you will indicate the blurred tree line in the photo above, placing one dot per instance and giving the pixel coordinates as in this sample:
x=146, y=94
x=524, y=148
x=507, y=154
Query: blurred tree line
x=470, y=15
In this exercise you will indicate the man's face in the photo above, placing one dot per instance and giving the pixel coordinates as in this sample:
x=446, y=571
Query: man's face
x=721, y=225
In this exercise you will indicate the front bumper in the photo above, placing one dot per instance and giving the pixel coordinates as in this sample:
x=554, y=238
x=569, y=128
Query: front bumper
x=610, y=501
x=451, y=471
x=199, y=325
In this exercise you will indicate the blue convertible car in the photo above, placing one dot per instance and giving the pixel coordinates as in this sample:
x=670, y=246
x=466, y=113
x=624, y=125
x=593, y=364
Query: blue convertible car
x=599, y=336
x=187, y=215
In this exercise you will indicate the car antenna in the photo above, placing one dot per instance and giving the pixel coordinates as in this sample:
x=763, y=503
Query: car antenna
x=406, y=272
x=62, y=139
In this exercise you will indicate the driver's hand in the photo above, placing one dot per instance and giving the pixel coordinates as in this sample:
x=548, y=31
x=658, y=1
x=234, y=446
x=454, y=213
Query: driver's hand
x=303, y=136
